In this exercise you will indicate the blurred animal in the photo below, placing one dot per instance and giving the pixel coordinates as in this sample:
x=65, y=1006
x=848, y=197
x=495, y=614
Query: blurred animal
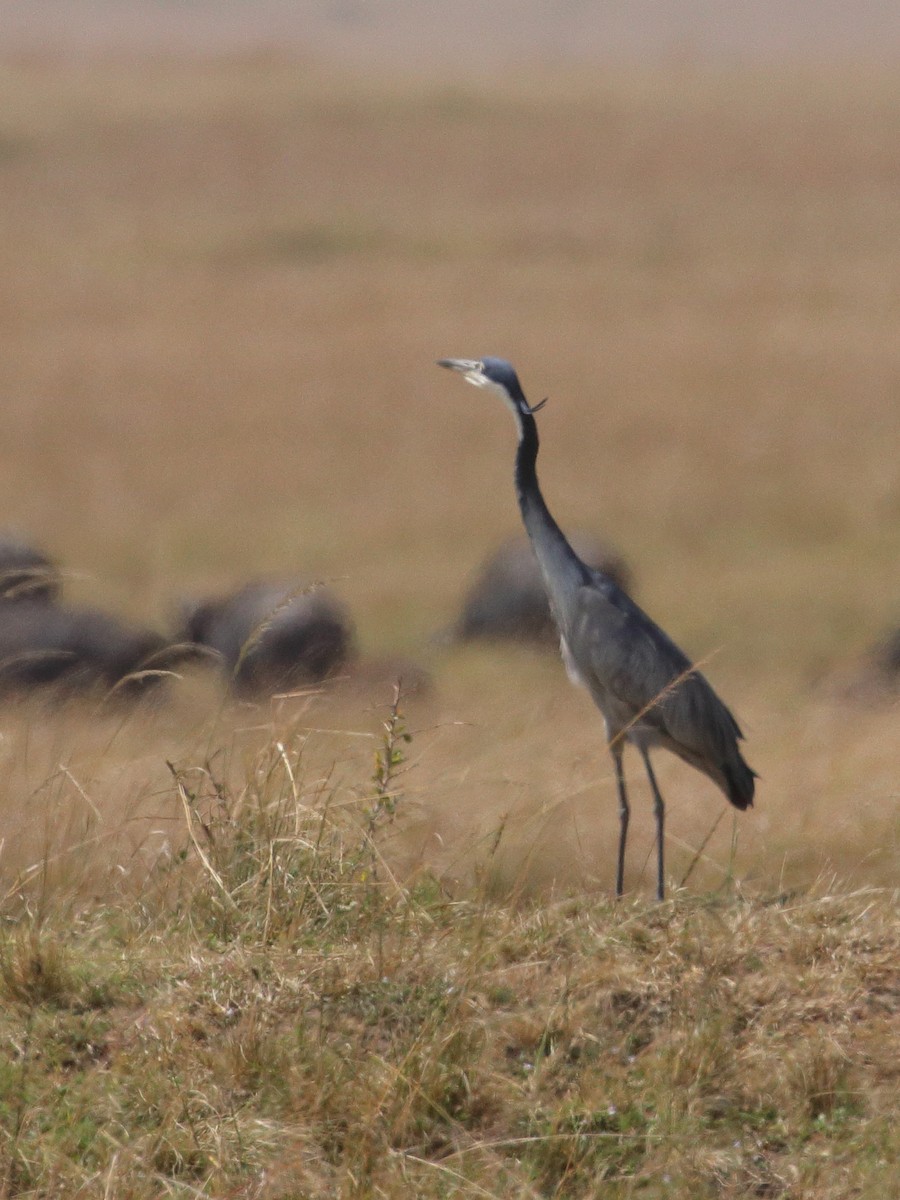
x=646, y=689
x=73, y=650
x=885, y=657
x=273, y=636
x=871, y=678
x=508, y=599
x=26, y=573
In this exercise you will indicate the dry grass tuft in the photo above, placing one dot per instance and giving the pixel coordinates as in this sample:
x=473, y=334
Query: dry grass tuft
x=34, y=970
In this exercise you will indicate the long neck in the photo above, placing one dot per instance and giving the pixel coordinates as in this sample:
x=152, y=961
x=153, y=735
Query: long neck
x=560, y=565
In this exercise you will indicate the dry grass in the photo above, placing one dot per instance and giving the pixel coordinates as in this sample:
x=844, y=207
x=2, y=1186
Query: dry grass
x=223, y=295
x=276, y=1015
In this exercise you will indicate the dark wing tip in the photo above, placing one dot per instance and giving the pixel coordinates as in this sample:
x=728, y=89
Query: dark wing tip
x=741, y=781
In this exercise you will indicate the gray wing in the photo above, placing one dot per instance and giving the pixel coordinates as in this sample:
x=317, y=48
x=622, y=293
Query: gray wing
x=624, y=655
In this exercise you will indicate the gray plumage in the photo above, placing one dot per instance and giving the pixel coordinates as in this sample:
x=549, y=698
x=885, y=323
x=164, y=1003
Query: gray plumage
x=507, y=600
x=645, y=687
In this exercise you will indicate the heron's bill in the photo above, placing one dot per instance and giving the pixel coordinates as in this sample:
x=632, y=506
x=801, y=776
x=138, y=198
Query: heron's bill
x=471, y=369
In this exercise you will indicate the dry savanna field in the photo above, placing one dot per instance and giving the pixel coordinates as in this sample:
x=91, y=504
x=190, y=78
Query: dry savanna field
x=311, y=948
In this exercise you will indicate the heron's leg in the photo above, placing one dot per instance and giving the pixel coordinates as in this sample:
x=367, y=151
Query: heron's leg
x=659, y=810
x=616, y=751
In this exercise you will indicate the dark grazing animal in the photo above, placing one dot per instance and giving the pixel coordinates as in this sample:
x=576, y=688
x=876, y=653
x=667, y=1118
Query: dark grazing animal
x=75, y=650
x=508, y=600
x=885, y=658
x=273, y=636
x=26, y=573
x=646, y=689
x=871, y=678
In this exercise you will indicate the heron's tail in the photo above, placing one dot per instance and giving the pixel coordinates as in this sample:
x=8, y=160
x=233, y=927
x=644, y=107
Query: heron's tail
x=739, y=781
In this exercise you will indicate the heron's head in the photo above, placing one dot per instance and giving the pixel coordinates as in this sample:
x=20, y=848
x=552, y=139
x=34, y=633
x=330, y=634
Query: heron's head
x=495, y=374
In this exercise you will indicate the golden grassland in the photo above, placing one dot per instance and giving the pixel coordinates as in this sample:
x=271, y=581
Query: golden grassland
x=224, y=288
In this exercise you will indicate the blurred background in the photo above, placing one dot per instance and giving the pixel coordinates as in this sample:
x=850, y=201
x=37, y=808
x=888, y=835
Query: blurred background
x=237, y=236
x=422, y=32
